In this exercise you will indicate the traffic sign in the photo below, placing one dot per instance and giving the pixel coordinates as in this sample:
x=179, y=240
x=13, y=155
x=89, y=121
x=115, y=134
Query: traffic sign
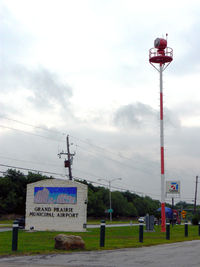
x=173, y=187
x=183, y=213
x=110, y=210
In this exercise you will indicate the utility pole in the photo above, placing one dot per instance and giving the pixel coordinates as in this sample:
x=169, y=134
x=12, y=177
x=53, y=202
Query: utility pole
x=68, y=162
x=195, y=197
x=69, y=158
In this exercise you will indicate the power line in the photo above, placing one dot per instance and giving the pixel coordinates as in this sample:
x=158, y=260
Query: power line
x=97, y=148
x=32, y=170
x=114, y=160
x=31, y=125
x=100, y=149
x=11, y=128
x=28, y=161
x=42, y=171
x=57, y=132
x=48, y=164
x=144, y=170
x=116, y=187
x=82, y=179
x=35, y=162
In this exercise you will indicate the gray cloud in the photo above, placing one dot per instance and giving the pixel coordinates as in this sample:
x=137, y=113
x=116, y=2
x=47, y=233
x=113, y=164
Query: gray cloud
x=134, y=115
x=139, y=115
x=15, y=47
x=45, y=86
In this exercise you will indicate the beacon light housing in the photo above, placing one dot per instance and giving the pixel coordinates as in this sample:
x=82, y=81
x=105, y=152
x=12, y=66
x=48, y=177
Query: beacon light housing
x=160, y=53
x=160, y=43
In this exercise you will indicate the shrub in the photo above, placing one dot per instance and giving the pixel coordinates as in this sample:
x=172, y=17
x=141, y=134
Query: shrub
x=196, y=219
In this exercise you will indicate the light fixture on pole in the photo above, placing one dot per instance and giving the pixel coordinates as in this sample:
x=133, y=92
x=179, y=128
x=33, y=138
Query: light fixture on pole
x=162, y=55
x=110, y=200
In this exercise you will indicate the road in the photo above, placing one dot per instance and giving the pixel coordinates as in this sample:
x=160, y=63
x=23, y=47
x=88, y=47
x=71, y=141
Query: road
x=182, y=254
x=3, y=229
x=112, y=225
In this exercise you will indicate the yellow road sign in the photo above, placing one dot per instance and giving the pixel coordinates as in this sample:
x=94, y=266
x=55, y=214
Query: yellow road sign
x=183, y=212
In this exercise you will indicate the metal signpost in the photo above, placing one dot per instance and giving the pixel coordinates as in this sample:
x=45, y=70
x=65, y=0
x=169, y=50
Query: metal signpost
x=110, y=210
x=173, y=190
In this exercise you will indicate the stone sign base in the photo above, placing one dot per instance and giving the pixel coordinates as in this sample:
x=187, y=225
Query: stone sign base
x=56, y=205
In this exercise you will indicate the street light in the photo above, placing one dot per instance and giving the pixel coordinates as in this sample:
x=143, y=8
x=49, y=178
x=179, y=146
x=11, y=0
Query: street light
x=109, y=183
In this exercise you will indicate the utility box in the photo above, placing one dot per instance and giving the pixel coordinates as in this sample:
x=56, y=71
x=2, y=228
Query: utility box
x=149, y=219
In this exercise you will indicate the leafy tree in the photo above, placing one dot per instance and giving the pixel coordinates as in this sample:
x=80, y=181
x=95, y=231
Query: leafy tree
x=125, y=204
x=13, y=190
x=121, y=206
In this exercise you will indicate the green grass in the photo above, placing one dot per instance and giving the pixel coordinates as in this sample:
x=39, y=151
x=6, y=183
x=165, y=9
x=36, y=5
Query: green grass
x=117, y=237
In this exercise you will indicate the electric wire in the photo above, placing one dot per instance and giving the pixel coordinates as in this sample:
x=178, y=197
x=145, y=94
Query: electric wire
x=144, y=170
x=98, y=148
x=29, y=161
x=31, y=125
x=25, y=132
x=48, y=172
x=32, y=170
x=56, y=140
x=62, y=133
x=87, y=180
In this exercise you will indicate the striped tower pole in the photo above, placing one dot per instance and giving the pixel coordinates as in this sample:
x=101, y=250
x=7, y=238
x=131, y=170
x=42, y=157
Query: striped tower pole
x=163, y=219
x=161, y=54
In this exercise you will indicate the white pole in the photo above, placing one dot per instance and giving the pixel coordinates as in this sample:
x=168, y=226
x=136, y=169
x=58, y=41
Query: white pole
x=110, y=201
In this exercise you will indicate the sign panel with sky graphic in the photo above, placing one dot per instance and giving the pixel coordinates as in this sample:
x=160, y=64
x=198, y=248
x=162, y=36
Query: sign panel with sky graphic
x=55, y=195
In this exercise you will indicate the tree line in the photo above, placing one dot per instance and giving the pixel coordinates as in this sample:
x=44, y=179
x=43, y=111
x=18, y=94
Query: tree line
x=124, y=204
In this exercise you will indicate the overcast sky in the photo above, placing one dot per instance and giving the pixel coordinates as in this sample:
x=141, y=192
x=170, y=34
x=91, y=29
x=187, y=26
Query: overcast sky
x=81, y=68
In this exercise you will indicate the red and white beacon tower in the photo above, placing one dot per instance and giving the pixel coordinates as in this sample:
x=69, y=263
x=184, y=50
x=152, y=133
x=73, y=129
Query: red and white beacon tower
x=160, y=57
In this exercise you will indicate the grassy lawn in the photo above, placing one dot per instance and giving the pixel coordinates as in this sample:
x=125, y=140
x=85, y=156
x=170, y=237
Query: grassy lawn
x=117, y=237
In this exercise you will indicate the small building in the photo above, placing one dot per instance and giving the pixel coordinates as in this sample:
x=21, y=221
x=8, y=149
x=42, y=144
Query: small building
x=56, y=205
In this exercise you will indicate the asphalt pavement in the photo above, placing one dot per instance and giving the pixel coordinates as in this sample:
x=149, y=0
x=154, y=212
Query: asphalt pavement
x=3, y=229
x=112, y=225
x=183, y=254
